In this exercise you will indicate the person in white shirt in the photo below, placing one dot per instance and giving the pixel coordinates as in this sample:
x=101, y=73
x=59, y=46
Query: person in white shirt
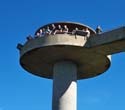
x=53, y=29
x=88, y=32
x=42, y=32
x=65, y=30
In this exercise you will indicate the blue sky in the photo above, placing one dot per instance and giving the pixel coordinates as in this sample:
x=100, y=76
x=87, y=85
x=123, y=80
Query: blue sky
x=20, y=90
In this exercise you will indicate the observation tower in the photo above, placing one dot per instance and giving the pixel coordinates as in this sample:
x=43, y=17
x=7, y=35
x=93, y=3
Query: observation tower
x=66, y=57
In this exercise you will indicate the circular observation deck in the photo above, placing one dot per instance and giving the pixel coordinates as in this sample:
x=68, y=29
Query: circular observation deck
x=38, y=56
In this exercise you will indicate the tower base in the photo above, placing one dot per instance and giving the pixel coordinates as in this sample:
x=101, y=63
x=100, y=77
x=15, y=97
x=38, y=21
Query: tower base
x=64, y=86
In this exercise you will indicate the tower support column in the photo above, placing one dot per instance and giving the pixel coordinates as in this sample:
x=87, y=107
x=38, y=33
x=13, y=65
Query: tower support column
x=64, y=86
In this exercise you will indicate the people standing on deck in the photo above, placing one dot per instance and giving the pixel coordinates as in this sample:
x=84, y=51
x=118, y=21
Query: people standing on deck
x=37, y=35
x=87, y=32
x=65, y=30
x=48, y=31
x=58, y=29
x=62, y=29
x=53, y=29
x=98, y=30
x=42, y=32
x=74, y=31
x=29, y=37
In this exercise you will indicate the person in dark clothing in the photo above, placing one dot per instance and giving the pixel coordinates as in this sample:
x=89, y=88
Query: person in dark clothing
x=98, y=30
x=58, y=30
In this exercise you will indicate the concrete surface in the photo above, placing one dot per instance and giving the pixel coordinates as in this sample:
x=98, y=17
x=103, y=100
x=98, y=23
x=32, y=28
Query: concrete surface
x=64, y=86
x=108, y=43
x=39, y=55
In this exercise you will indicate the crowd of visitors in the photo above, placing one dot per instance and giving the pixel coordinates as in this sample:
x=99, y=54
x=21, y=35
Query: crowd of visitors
x=58, y=29
x=53, y=30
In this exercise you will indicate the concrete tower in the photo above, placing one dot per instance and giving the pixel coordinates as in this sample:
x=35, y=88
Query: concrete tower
x=69, y=56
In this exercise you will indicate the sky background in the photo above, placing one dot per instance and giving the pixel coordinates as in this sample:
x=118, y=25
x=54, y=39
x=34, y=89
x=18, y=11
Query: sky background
x=20, y=90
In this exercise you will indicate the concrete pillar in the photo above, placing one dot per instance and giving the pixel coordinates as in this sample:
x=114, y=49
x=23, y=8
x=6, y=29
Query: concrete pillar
x=64, y=86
